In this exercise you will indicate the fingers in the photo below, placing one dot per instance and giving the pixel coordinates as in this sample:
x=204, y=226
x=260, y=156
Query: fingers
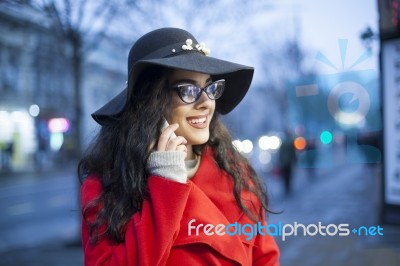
x=165, y=137
x=169, y=142
x=182, y=148
x=173, y=143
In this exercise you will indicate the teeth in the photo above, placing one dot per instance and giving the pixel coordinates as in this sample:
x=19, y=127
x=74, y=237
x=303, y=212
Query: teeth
x=198, y=121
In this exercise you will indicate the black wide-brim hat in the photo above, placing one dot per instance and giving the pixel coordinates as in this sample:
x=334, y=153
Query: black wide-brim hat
x=178, y=49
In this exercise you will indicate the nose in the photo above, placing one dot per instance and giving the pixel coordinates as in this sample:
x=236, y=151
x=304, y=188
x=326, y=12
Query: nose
x=204, y=102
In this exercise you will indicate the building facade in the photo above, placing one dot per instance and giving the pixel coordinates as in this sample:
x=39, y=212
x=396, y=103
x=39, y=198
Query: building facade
x=37, y=107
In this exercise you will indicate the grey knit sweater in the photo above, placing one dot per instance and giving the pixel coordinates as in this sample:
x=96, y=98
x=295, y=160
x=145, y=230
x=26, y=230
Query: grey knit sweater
x=172, y=165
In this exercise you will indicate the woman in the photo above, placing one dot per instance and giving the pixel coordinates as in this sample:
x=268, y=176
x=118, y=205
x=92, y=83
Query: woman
x=180, y=194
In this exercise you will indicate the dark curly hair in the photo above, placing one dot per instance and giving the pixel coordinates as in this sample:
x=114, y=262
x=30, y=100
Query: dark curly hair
x=119, y=153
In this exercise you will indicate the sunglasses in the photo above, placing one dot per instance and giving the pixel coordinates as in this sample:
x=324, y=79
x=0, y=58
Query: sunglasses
x=190, y=93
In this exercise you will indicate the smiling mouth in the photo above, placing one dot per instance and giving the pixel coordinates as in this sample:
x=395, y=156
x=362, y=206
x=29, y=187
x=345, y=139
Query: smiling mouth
x=198, y=121
x=201, y=120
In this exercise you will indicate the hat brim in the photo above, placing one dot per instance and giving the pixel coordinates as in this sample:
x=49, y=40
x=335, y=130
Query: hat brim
x=237, y=81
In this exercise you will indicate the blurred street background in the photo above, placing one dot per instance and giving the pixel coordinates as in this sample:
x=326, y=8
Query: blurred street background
x=320, y=122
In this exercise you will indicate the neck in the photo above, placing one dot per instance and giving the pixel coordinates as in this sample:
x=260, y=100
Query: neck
x=190, y=153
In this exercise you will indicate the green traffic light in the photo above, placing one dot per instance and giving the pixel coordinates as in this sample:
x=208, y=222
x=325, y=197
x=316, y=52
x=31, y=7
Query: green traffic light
x=326, y=137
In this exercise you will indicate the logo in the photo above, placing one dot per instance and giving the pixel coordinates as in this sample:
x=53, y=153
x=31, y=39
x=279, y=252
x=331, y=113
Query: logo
x=345, y=102
x=282, y=230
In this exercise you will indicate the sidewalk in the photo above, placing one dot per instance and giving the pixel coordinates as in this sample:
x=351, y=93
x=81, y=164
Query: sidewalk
x=344, y=194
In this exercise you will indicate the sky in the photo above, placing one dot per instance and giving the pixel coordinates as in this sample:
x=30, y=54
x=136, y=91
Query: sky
x=318, y=25
x=324, y=22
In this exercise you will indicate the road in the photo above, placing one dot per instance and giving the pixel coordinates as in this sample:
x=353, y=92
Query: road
x=38, y=208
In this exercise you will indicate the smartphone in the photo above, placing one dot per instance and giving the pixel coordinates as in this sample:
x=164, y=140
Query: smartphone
x=165, y=125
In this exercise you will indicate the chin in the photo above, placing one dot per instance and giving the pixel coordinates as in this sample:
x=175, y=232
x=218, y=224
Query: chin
x=199, y=140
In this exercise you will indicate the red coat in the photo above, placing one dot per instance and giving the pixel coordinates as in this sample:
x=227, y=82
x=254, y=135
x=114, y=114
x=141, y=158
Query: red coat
x=159, y=235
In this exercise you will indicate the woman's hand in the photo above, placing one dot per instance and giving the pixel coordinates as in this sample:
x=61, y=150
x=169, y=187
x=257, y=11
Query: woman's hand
x=167, y=159
x=168, y=142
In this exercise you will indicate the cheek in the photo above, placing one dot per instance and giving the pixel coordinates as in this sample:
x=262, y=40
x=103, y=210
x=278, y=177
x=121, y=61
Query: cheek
x=178, y=115
x=212, y=109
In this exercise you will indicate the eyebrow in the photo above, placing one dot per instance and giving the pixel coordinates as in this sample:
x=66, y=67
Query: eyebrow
x=190, y=81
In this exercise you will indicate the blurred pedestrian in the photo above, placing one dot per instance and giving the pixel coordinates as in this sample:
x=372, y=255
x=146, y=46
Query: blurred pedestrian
x=310, y=156
x=287, y=159
x=6, y=156
x=154, y=196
